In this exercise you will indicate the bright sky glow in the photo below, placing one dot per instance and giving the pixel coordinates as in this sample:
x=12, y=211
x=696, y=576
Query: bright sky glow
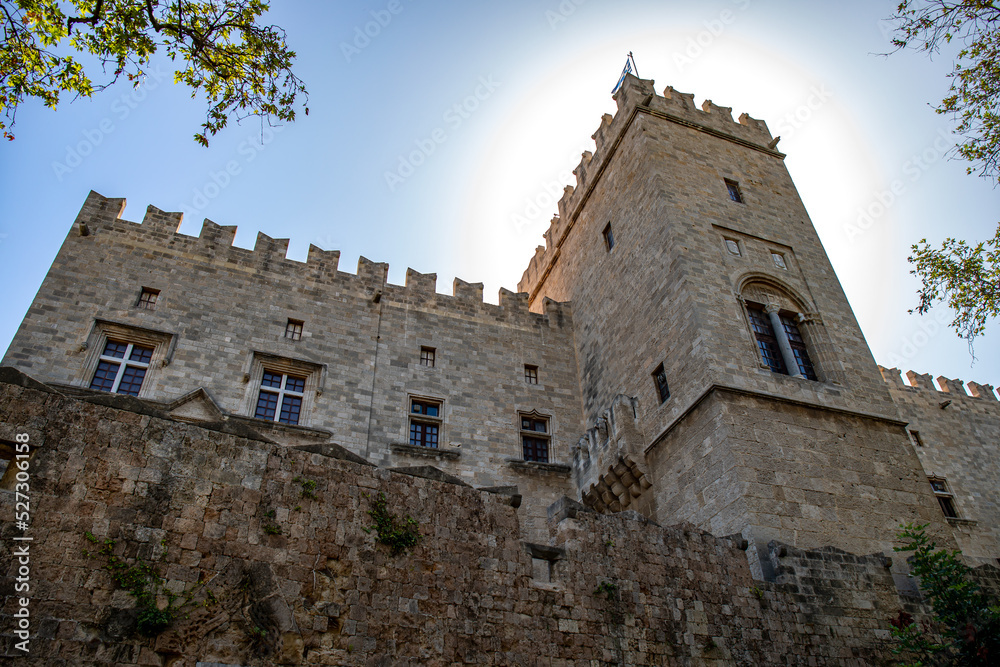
x=532, y=80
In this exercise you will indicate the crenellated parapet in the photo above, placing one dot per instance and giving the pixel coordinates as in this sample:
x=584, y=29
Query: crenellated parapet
x=608, y=462
x=945, y=389
x=268, y=260
x=637, y=96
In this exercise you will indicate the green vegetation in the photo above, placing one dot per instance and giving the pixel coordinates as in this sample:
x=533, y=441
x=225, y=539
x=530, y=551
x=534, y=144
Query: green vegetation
x=243, y=68
x=144, y=583
x=398, y=534
x=966, y=625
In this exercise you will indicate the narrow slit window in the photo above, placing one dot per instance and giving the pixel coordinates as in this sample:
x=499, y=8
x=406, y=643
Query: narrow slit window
x=609, y=237
x=734, y=191
x=293, y=330
x=660, y=380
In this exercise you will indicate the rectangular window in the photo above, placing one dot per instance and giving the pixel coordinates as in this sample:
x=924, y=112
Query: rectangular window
x=535, y=438
x=944, y=497
x=293, y=330
x=733, y=246
x=121, y=368
x=531, y=374
x=280, y=397
x=660, y=379
x=425, y=422
x=147, y=298
x=609, y=237
x=734, y=191
x=767, y=344
x=427, y=355
x=779, y=260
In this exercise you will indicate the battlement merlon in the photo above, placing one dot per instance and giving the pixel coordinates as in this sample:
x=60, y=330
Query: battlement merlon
x=946, y=388
x=637, y=96
x=101, y=215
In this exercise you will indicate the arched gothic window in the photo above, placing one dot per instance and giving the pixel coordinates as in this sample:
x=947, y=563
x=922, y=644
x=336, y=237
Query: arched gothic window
x=775, y=326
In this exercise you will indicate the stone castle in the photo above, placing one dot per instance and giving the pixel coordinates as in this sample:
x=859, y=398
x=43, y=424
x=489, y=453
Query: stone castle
x=679, y=353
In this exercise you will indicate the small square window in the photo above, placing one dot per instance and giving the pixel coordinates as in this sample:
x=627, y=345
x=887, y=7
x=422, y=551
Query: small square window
x=293, y=330
x=734, y=191
x=531, y=374
x=733, y=246
x=779, y=260
x=427, y=356
x=147, y=298
x=535, y=437
x=425, y=422
x=660, y=379
x=609, y=237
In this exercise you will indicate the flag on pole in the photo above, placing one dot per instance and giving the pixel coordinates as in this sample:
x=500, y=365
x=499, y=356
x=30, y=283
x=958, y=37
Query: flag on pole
x=629, y=63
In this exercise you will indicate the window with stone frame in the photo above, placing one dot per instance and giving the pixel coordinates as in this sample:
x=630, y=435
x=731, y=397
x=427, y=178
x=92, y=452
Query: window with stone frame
x=944, y=497
x=281, y=390
x=147, y=298
x=536, y=440
x=280, y=397
x=293, y=329
x=426, y=419
x=660, y=380
x=767, y=342
x=121, y=367
x=733, y=188
x=798, y=346
x=123, y=359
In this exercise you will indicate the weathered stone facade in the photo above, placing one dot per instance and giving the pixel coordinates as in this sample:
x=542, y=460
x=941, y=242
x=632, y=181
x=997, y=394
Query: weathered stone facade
x=631, y=346
x=195, y=502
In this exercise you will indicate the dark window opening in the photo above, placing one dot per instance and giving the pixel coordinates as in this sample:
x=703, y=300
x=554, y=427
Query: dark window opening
x=425, y=423
x=609, y=237
x=767, y=343
x=535, y=438
x=798, y=347
x=734, y=191
x=280, y=398
x=122, y=368
x=427, y=356
x=660, y=379
x=531, y=374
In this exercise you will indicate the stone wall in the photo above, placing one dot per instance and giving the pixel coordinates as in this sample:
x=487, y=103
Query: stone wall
x=317, y=588
x=956, y=437
x=222, y=309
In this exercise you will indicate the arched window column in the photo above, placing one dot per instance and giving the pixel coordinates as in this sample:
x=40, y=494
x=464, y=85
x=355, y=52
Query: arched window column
x=791, y=363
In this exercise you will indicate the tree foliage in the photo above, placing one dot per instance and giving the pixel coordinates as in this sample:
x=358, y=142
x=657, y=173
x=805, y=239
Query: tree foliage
x=966, y=277
x=242, y=68
x=974, y=96
x=966, y=624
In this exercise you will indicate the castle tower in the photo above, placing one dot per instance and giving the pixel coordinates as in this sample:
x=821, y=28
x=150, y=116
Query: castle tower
x=726, y=377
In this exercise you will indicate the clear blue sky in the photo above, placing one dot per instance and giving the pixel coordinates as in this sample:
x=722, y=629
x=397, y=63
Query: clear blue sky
x=852, y=123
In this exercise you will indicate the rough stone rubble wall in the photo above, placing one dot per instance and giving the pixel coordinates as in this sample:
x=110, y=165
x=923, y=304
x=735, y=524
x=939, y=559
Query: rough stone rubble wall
x=608, y=590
